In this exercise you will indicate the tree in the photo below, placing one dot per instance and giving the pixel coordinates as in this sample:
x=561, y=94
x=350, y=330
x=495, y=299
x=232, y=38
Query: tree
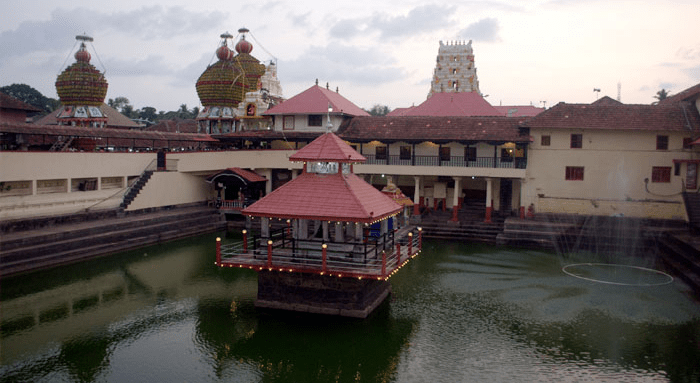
x=662, y=94
x=119, y=103
x=379, y=110
x=148, y=113
x=31, y=96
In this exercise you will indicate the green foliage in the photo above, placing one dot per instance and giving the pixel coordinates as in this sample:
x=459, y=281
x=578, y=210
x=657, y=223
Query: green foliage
x=31, y=96
x=662, y=94
x=379, y=110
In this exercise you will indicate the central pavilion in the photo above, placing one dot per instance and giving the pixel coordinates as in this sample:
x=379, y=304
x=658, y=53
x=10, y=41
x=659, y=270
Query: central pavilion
x=339, y=246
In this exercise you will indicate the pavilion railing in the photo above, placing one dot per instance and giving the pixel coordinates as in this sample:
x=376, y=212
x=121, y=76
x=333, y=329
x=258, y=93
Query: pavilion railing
x=375, y=257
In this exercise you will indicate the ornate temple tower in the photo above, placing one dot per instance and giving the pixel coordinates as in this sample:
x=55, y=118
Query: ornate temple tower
x=236, y=90
x=82, y=89
x=455, y=70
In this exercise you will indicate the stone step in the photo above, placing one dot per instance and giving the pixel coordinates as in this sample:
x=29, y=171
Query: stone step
x=103, y=249
x=119, y=232
x=58, y=232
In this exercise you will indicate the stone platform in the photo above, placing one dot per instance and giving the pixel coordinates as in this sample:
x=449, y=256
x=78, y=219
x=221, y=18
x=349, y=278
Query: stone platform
x=320, y=294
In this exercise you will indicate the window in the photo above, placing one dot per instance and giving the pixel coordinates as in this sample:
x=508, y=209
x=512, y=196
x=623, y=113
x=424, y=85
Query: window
x=576, y=141
x=444, y=153
x=470, y=153
x=574, y=173
x=661, y=142
x=315, y=120
x=546, y=140
x=661, y=174
x=405, y=153
x=288, y=122
x=380, y=152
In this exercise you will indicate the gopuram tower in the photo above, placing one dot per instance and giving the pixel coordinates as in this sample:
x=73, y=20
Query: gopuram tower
x=455, y=70
x=82, y=89
x=236, y=90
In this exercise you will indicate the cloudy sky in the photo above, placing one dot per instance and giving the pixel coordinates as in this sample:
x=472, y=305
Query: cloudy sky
x=375, y=52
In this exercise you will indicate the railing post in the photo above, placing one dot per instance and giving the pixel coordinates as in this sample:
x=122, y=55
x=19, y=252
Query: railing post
x=269, y=253
x=410, y=243
x=420, y=239
x=289, y=227
x=324, y=258
x=245, y=241
x=383, y=263
x=398, y=251
x=218, y=251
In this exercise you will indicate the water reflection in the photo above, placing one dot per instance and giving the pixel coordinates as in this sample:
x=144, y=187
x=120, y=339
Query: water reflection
x=457, y=313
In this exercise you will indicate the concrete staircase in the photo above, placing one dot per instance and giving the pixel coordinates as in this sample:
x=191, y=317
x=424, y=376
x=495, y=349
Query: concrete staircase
x=135, y=189
x=683, y=257
x=57, y=244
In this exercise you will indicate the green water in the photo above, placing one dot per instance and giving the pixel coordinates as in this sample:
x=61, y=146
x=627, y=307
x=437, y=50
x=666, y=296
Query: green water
x=458, y=313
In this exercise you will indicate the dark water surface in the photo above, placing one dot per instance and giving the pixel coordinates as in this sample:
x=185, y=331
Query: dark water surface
x=458, y=313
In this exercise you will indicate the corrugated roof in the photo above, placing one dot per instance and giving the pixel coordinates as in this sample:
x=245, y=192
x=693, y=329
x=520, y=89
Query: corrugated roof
x=315, y=100
x=328, y=147
x=62, y=130
x=434, y=129
x=453, y=104
x=619, y=117
x=331, y=197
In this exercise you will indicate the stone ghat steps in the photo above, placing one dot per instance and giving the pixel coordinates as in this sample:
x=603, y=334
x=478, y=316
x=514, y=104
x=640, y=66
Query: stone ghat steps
x=683, y=260
x=108, y=238
x=73, y=230
x=474, y=232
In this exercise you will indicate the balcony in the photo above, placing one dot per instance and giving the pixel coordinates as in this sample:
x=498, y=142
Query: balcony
x=454, y=161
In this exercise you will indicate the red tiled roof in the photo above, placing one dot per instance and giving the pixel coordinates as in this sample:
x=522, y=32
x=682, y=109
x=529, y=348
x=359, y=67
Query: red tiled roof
x=315, y=100
x=245, y=174
x=9, y=102
x=331, y=197
x=619, y=117
x=434, y=129
x=519, y=110
x=399, y=111
x=690, y=94
x=114, y=118
x=328, y=147
x=605, y=100
x=453, y=104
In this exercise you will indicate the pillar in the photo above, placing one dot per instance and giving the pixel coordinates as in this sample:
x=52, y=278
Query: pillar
x=339, y=234
x=358, y=231
x=303, y=229
x=489, y=200
x=522, y=199
x=265, y=227
x=324, y=224
x=455, y=198
x=416, y=196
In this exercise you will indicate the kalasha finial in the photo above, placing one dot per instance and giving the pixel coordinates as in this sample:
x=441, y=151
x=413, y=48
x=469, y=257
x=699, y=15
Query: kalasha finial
x=82, y=55
x=223, y=52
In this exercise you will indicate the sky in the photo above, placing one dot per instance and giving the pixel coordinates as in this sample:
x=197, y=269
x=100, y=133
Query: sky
x=375, y=52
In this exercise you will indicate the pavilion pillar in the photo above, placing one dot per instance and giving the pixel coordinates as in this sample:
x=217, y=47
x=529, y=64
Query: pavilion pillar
x=358, y=231
x=339, y=234
x=265, y=227
x=324, y=224
x=349, y=229
x=489, y=200
x=455, y=198
x=303, y=225
x=416, y=195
